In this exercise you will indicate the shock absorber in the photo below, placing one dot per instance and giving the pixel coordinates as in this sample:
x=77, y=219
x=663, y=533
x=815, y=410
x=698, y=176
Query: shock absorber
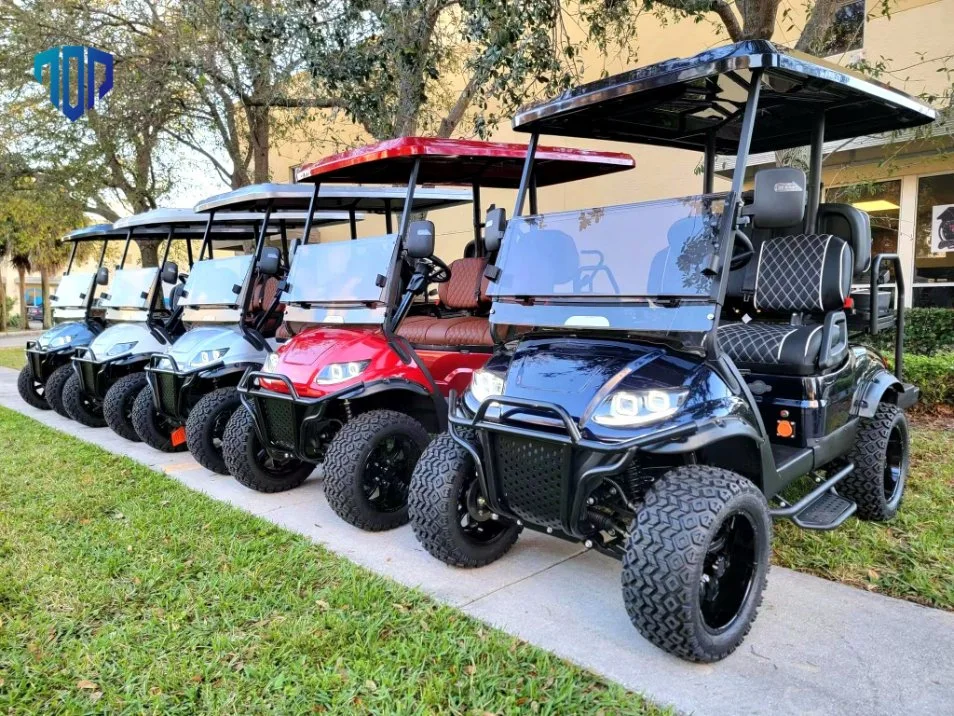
x=347, y=408
x=600, y=520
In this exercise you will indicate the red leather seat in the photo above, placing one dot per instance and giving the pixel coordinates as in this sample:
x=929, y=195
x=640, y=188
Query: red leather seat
x=263, y=293
x=466, y=290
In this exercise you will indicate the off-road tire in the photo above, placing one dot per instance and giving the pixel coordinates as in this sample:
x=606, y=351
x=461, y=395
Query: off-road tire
x=865, y=484
x=75, y=404
x=32, y=391
x=440, y=477
x=344, y=467
x=53, y=391
x=145, y=419
x=239, y=449
x=119, y=402
x=201, y=423
x=665, y=554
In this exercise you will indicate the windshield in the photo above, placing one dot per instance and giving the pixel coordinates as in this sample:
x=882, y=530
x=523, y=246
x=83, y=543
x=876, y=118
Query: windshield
x=128, y=286
x=210, y=282
x=341, y=271
x=73, y=291
x=653, y=249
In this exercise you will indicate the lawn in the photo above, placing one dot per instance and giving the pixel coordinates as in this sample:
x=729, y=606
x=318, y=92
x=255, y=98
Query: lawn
x=121, y=590
x=12, y=357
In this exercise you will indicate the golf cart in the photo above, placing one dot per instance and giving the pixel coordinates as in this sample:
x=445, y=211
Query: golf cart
x=77, y=318
x=363, y=383
x=231, y=305
x=141, y=320
x=678, y=368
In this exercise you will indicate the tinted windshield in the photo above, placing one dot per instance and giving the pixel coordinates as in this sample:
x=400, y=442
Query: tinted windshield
x=127, y=287
x=341, y=271
x=651, y=249
x=210, y=282
x=73, y=291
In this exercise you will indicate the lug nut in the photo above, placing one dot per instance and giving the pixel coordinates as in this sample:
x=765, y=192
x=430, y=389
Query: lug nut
x=494, y=516
x=549, y=530
x=588, y=544
x=590, y=501
x=481, y=501
x=519, y=523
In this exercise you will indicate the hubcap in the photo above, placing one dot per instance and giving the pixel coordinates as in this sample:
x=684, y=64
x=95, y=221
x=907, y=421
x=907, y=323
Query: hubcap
x=387, y=472
x=728, y=572
x=473, y=516
x=894, y=464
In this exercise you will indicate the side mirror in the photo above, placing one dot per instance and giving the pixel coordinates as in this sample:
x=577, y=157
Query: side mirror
x=270, y=261
x=102, y=276
x=420, y=239
x=494, y=228
x=170, y=272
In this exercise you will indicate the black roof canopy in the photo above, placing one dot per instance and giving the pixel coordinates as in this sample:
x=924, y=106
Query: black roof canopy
x=677, y=102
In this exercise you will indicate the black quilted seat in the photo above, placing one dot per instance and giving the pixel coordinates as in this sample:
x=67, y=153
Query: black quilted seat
x=772, y=347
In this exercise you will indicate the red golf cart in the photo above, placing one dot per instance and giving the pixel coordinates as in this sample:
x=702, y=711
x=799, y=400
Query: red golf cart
x=375, y=352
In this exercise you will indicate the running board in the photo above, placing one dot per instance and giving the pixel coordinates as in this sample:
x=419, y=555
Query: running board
x=822, y=508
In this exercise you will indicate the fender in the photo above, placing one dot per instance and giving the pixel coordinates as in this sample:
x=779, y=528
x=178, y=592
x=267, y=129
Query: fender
x=390, y=384
x=870, y=394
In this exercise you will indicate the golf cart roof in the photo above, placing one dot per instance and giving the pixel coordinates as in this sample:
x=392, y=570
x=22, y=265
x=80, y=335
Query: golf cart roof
x=460, y=162
x=231, y=225
x=677, y=102
x=297, y=197
x=96, y=232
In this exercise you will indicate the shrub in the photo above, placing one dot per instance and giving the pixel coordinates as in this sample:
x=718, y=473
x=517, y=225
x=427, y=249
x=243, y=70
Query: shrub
x=13, y=321
x=926, y=331
x=934, y=375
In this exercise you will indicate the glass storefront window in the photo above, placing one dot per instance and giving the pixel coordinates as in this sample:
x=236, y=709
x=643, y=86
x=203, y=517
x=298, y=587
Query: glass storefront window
x=934, y=242
x=882, y=201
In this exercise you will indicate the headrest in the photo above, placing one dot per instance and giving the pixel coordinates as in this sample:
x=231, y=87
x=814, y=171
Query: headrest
x=470, y=249
x=802, y=274
x=851, y=225
x=779, y=199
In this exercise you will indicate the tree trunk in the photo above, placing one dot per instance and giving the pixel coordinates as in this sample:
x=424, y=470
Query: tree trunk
x=21, y=274
x=3, y=306
x=149, y=251
x=259, y=137
x=45, y=291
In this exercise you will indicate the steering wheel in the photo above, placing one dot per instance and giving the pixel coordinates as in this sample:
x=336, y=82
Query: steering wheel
x=741, y=258
x=442, y=273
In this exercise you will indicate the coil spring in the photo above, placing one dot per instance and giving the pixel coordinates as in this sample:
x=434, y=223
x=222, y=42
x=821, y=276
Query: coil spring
x=637, y=482
x=600, y=521
x=347, y=407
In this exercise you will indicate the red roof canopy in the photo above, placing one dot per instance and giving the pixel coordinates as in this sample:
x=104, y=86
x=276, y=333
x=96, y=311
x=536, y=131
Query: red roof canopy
x=460, y=161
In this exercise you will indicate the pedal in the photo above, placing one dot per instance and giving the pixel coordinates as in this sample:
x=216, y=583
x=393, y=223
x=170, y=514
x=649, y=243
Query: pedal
x=827, y=512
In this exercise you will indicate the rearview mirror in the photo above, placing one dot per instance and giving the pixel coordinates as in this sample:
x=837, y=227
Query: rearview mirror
x=270, y=261
x=420, y=239
x=102, y=276
x=494, y=228
x=170, y=272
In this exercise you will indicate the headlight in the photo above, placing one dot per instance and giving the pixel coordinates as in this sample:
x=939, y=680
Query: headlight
x=338, y=372
x=207, y=357
x=61, y=341
x=626, y=408
x=484, y=383
x=120, y=348
x=271, y=363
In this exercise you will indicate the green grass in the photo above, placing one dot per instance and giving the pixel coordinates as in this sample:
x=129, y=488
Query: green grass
x=912, y=556
x=12, y=358
x=122, y=591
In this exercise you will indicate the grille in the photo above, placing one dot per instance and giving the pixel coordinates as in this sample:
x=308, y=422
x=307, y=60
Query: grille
x=88, y=377
x=168, y=392
x=532, y=474
x=279, y=421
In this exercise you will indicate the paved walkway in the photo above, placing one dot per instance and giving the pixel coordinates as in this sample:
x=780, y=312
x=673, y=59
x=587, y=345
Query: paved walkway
x=817, y=647
x=17, y=339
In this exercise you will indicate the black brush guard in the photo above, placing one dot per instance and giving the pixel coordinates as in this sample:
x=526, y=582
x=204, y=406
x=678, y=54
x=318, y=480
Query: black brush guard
x=43, y=362
x=96, y=377
x=543, y=477
x=282, y=419
x=171, y=388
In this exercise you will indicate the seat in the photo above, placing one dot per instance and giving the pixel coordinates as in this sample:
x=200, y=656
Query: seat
x=772, y=347
x=465, y=291
x=264, y=291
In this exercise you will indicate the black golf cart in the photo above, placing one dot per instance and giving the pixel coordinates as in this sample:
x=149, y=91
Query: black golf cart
x=77, y=319
x=677, y=368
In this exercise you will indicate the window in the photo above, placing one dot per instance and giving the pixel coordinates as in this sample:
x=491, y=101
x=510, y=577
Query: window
x=34, y=297
x=882, y=201
x=934, y=242
x=847, y=31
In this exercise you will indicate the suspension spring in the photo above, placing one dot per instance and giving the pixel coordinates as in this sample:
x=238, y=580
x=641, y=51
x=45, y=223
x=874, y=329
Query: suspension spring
x=347, y=407
x=600, y=520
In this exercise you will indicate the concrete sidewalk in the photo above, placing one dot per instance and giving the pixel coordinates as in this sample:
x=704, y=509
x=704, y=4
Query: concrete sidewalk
x=817, y=647
x=17, y=339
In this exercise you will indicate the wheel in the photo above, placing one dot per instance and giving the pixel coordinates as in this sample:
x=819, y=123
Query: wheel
x=152, y=428
x=32, y=391
x=53, y=391
x=249, y=463
x=881, y=456
x=118, y=405
x=368, y=468
x=446, y=509
x=80, y=407
x=205, y=428
x=696, y=562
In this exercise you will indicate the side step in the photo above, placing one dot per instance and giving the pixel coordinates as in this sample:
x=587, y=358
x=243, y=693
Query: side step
x=822, y=508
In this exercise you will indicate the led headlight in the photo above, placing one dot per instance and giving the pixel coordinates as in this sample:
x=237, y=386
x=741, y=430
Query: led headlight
x=207, y=357
x=121, y=348
x=271, y=363
x=484, y=383
x=338, y=372
x=626, y=408
x=61, y=341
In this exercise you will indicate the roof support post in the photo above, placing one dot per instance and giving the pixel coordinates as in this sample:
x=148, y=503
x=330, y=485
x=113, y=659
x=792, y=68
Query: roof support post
x=815, y=172
x=708, y=173
x=69, y=265
x=533, y=192
x=478, y=222
x=409, y=200
x=388, y=218
x=122, y=261
x=525, y=175
x=353, y=223
x=311, y=212
x=207, y=237
x=92, y=293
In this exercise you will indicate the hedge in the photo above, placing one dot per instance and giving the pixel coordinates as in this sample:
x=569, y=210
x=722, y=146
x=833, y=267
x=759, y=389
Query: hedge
x=926, y=331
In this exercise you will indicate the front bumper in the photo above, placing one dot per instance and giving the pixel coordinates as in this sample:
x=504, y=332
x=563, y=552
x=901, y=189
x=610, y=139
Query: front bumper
x=285, y=421
x=96, y=377
x=543, y=476
x=43, y=362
